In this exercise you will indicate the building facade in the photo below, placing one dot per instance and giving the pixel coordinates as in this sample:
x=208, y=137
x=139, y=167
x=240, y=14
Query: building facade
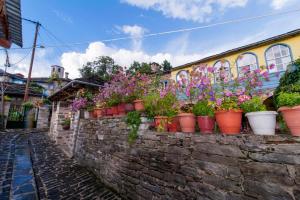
x=278, y=51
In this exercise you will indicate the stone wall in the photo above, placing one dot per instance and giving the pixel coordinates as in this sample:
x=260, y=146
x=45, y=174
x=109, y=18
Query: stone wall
x=63, y=138
x=43, y=118
x=190, y=166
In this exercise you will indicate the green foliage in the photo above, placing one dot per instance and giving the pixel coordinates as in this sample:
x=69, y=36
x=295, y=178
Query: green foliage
x=129, y=99
x=151, y=104
x=203, y=108
x=7, y=98
x=160, y=106
x=100, y=70
x=15, y=116
x=142, y=68
x=133, y=120
x=230, y=103
x=66, y=122
x=166, y=65
x=36, y=87
x=289, y=82
x=46, y=102
x=28, y=105
x=288, y=99
x=253, y=105
x=114, y=100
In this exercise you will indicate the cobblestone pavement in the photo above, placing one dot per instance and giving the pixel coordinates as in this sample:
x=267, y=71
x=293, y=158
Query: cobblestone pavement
x=32, y=167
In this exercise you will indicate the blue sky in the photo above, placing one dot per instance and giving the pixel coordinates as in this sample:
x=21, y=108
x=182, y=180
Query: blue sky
x=90, y=21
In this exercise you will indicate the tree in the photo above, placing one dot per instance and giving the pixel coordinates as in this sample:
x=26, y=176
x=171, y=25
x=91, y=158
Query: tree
x=100, y=70
x=136, y=67
x=166, y=65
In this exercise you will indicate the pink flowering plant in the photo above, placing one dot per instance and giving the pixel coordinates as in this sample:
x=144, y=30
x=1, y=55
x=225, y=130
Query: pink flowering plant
x=123, y=88
x=83, y=100
x=161, y=101
x=231, y=95
x=197, y=87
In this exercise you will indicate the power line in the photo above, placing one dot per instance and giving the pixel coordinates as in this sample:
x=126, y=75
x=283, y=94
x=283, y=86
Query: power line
x=174, y=31
x=22, y=58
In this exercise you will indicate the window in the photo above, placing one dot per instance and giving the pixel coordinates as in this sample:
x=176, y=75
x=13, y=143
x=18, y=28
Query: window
x=182, y=77
x=246, y=60
x=222, y=66
x=279, y=56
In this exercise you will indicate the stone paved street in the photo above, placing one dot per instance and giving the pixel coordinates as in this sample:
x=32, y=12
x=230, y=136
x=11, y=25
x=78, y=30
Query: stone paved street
x=32, y=167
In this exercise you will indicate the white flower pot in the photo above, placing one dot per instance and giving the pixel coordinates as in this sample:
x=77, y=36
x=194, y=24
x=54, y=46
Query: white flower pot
x=263, y=122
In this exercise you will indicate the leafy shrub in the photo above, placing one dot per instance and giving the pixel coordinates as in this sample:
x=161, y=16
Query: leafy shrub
x=28, y=105
x=133, y=120
x=288, y=99
x=202, y=108
x=155, y=105
x=253, y=105
x=289, y=82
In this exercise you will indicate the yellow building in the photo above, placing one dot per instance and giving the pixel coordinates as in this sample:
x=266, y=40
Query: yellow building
x=279, y=50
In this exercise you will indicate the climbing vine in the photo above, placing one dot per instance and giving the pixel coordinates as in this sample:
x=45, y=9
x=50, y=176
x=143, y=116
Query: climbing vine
x=133, y=120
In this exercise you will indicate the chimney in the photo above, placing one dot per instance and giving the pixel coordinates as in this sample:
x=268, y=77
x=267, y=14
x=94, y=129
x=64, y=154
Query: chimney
x=67, y=75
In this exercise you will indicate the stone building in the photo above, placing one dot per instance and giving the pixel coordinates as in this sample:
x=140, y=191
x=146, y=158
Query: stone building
x=61, y=110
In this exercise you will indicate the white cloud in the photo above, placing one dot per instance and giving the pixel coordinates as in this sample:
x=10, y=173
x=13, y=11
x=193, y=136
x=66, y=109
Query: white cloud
x=72, y=61
x=194, y=10
x=63, y=16
x=279, y=4
x=136, y=32
x=20, y=61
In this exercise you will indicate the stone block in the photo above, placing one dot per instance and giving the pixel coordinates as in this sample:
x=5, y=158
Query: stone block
x=223, y=150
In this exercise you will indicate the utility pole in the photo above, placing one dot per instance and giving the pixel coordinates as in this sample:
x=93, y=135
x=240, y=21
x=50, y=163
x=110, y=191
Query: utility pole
x=37, y=26
x=3, y=88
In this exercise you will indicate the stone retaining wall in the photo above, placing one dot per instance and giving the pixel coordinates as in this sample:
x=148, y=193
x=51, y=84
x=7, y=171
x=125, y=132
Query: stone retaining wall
x=190, y=166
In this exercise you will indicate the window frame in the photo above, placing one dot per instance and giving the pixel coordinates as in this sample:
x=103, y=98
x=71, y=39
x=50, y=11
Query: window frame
x=187, y=71
x=230, y=75
x=236, y=62
x=270, y=47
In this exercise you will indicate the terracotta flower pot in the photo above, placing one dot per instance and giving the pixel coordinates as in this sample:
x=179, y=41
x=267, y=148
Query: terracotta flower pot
x=187, y=122
x=292, y=118
x=92, y=114
x=66, y=127
x=139, y=105
x=98, y=112
x=109, y=112
x=129, y=107
x=114, y=110
x=229, y=122
x=161, y=123
x=174, y=125
x=206, y=124
x=104, y=112
x=121, y=109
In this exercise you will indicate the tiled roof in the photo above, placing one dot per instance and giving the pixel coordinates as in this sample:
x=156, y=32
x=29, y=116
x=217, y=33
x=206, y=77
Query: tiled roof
x=14, y=89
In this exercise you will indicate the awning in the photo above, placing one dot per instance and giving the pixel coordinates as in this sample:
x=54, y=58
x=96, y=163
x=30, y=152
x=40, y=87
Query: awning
x=11, y=23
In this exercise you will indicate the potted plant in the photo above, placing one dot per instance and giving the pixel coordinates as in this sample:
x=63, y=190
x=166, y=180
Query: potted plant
x=121, y=108
x=152, y=105
x=66, y=123
x=205, y=116
x=232, y=93
x=173, y=121
x=113, y=105
x=197, y=85
x=262, y=122
x=141, y=82
x=129, y=103
x=289, y=106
